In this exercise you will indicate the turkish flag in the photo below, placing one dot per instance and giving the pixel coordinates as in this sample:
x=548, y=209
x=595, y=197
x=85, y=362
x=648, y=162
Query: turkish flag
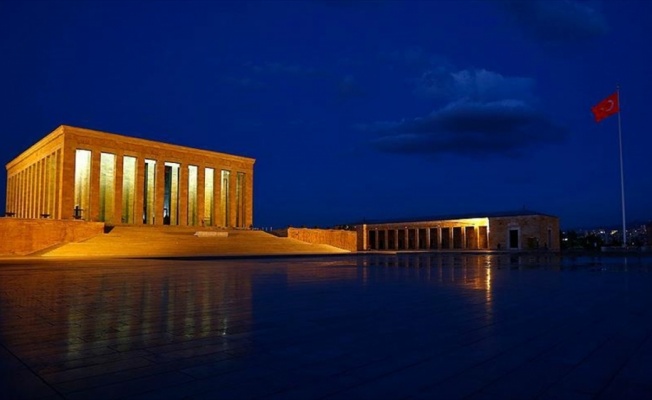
x=606, y=107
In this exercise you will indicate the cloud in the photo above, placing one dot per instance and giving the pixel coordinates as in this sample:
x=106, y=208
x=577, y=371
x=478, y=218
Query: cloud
x=474, y=85
x=557, y=21
x=505, y=127
x=483, y=113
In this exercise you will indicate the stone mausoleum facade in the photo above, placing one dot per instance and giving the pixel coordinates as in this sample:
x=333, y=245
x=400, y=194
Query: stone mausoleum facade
x=520, y=230
x=83, y=174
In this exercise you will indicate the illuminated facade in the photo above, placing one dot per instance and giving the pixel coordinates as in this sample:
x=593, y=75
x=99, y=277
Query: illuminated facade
x=76, y=173
x=523, y=230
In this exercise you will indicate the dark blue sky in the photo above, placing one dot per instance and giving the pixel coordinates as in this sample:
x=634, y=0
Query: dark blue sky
x=355, y=109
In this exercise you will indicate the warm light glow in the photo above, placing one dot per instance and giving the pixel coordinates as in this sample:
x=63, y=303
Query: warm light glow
x=82, y=183
x=471, y=221
x=209, y=200
x=224, y=197
x=107, y=186
x=488, y=295
x=192, y=196
x=128, y=189
x=488, y=286
x=149, y=198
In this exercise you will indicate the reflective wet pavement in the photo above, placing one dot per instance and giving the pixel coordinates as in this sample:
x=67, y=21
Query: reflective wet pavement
x=369, y=327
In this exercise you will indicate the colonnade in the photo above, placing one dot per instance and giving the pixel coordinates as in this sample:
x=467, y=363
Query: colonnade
x=33, y=192
x=133, y=190
x=427, y=238
x=77, y=173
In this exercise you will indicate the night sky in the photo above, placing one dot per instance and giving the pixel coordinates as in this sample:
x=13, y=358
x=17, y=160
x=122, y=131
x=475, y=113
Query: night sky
x=355, y=109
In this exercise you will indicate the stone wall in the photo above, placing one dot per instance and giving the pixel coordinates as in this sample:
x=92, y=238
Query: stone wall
x=342, y=239
x=534, y=232
x=25, y=236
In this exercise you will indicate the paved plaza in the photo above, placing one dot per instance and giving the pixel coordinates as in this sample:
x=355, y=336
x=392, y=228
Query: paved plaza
x=427, y=326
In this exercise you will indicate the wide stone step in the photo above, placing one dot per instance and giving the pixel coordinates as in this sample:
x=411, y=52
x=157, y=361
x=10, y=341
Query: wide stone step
x=185, y=242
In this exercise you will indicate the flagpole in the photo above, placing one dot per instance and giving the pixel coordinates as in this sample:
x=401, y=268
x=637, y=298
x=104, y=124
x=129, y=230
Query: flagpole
x=622, y=175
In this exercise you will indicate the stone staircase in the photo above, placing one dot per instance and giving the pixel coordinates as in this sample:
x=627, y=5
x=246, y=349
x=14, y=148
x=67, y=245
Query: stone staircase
x=166, y=241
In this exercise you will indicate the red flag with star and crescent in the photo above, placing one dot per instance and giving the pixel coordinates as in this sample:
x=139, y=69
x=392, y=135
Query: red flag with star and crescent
x=606, y=107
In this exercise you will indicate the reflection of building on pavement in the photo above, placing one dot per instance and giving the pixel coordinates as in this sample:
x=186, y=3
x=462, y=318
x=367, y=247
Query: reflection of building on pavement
x=75, y=173
x=521, y=230
x=120, y=306
x=462, y=268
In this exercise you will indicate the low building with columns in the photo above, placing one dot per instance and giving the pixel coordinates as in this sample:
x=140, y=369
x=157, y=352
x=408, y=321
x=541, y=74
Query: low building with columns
x=520, y=230
x=74, y=173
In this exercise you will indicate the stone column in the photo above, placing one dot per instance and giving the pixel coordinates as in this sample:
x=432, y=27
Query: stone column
x=39, y=188
x=217, y=187
x=218, y=214
x=58, y=165
x=43, y=199
x=183, y=194
x=201, y=189
x=67, y=188
x=34, y=194
x=24, y=197
x=377, y=240
x=21, y=194
x=140, y=194
x=94, y=213
x=49, y=184
x=14, y=194
x=159, y=189
x=232, y=203
x=28, y=192
x=45, y=202
x=249, y=199
x=117, y=198
x=38, y=193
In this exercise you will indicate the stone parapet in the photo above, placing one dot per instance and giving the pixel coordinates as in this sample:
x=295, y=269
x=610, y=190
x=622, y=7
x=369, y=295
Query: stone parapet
x=21, y=236
x=339, y=238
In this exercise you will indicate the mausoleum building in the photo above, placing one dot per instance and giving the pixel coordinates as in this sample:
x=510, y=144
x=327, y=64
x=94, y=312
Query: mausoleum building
x=519, y=230
x=76, y=173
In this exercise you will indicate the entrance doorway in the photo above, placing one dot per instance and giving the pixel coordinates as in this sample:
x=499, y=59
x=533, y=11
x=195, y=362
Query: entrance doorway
x=513, y=238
